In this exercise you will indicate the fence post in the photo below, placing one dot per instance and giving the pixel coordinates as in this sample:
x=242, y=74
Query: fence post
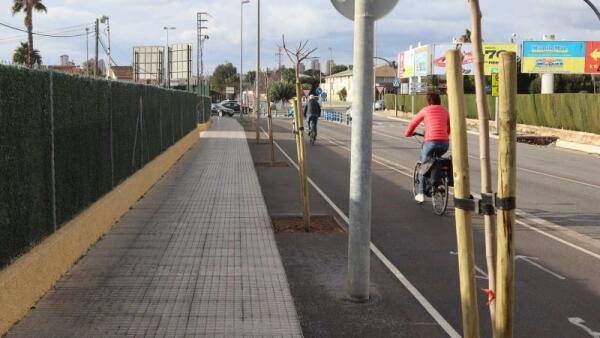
x=507, y=177
x=52, y=161
x=462, y=193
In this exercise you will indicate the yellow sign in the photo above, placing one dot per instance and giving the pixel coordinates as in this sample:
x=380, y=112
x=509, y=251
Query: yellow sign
x=491, y=55
x=495, y=84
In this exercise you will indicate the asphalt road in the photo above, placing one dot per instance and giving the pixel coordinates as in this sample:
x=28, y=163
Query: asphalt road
x=557, y=270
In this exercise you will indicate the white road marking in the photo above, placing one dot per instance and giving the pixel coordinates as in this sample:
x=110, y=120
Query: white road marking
x=388, y=264
x=480, y=271
x=530, y=260
x=520, y=213
x=580, y=323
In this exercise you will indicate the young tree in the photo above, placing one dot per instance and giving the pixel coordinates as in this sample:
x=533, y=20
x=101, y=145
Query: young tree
x=27, y=7
x=225, y=75
x=343, y=94
x=21, y=55
x=484, y=147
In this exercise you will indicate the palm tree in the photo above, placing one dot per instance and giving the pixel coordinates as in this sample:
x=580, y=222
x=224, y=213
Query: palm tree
x=21, y=55
x=27, y=7
x=466, y=38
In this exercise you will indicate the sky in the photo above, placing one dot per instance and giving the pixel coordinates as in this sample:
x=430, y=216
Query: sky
x=141, y=22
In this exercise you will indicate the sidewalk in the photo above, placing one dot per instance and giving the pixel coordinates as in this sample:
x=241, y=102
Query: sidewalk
x=195, y=257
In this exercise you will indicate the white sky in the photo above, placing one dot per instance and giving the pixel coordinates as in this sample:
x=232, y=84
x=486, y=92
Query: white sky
x=140, y=22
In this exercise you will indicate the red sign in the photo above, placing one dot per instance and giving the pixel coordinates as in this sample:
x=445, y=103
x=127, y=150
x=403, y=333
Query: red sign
x=592, y=57
x=380, y=89
x=306, y=92
x=401, y=65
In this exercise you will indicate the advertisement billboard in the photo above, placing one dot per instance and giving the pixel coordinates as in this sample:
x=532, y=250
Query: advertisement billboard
x=148, y=66
x=554, y=57
x=180, y=62
x=422, y=60
x=439, y=58
x=400, y=65
x=491, y=55
x=592, y=57
x=409, y=63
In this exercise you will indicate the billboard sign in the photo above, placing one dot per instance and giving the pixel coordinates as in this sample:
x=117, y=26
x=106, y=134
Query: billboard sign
x=422, y=61
x=554, y=57
x=409, y=63
x=439, y=58
x=148, y=65
x=491, y=55
x=180, y=62
x=592, y=57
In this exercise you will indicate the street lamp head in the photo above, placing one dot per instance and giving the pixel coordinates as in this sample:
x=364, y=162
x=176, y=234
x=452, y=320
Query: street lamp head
x=245, y=1
x=103, y=19
x=169, y=28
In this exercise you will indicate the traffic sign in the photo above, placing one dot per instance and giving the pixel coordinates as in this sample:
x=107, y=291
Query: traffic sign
x=306, y=92
x=380, y=89
x=396, y=83
x=319, y=91
x=377, y=8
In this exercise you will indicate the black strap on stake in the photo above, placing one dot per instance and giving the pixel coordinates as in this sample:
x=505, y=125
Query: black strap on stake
x=506, y=203
x=465, y=204
x=486, y=205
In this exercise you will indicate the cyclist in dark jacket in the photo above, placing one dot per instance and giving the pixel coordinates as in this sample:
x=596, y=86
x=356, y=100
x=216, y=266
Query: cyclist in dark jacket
x=312, y=109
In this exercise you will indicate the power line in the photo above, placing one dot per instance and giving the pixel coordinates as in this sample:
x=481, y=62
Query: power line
x=41, y=34
x=59, y=30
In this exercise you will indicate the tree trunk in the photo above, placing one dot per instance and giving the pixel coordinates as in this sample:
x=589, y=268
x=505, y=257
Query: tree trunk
x=484, y=145
x=29, y=25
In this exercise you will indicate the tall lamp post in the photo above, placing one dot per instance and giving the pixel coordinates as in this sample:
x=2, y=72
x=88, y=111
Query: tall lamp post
x=167, y=29
x=242, y=3
x=257, y=94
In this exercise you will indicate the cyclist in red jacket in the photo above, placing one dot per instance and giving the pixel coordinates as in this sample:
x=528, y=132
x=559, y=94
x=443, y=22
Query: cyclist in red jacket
x=437, y=129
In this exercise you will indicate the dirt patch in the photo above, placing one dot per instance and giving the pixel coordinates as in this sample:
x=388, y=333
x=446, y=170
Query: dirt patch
x=269, y=164
x=318, y=224
x=537, y=140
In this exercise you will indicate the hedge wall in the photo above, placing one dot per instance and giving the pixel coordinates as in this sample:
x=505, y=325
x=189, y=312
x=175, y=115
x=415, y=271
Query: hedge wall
x=103, y=131
x=580, y=112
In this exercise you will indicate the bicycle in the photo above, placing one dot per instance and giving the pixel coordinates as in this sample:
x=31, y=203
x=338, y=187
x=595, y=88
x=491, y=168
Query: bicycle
x=437, y=172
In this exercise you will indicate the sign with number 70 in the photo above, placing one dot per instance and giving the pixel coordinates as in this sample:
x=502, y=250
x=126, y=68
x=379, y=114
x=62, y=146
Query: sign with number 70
x=491, y=55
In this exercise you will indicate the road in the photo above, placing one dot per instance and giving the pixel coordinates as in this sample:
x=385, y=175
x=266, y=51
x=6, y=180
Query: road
x=557, y=269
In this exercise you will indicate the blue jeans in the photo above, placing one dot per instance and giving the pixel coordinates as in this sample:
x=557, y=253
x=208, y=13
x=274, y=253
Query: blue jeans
x=431, y=148
x=312, y=123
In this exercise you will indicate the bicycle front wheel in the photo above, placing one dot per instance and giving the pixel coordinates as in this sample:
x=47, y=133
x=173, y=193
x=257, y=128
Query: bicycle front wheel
x=416, y=179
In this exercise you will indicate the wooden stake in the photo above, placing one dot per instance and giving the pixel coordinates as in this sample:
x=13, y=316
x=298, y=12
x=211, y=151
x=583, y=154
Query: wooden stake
x=302, y=165
x=462, y=190
x=270, y=126
x=484, y=144
x=507, y=188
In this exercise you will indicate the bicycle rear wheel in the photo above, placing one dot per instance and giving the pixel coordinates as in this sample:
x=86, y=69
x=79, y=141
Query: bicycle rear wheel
x=439, y=197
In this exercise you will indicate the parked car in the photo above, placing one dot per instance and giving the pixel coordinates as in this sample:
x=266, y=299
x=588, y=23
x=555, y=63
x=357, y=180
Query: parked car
x=379, y=105
x=217, y=109
x=231, y=104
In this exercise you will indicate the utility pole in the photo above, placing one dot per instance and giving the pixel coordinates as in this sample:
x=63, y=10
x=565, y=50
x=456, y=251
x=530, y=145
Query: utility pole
x=97, y=39
x=200, y=47
x=242, y=3
x=463, y=204
x=87, y=51
x=106, y=19
x=257, y=94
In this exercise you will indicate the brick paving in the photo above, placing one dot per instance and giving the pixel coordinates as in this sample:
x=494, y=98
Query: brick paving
x=195, y=257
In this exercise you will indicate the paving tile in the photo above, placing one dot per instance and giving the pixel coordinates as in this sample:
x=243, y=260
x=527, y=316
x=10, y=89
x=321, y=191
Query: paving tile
x=195, y=257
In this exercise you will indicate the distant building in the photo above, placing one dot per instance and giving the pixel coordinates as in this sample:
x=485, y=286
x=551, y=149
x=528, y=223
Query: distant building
x=123, y=73
x=302, y=67
x=64, y=61
x=328, y=67
x=315, y=64
x=68, y=69
x=384, y=76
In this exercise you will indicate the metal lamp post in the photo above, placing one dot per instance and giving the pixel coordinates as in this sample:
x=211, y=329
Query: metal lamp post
x=167, y=29
x=242, y=3
x=364, y=13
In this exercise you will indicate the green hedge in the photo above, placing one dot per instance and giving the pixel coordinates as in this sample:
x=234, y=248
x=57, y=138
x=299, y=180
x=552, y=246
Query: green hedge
x=103, y=132
x=579, y=112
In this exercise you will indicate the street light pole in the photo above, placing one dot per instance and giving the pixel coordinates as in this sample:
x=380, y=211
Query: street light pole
x=167, y=29
x=257, y=94
x=242, y=3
